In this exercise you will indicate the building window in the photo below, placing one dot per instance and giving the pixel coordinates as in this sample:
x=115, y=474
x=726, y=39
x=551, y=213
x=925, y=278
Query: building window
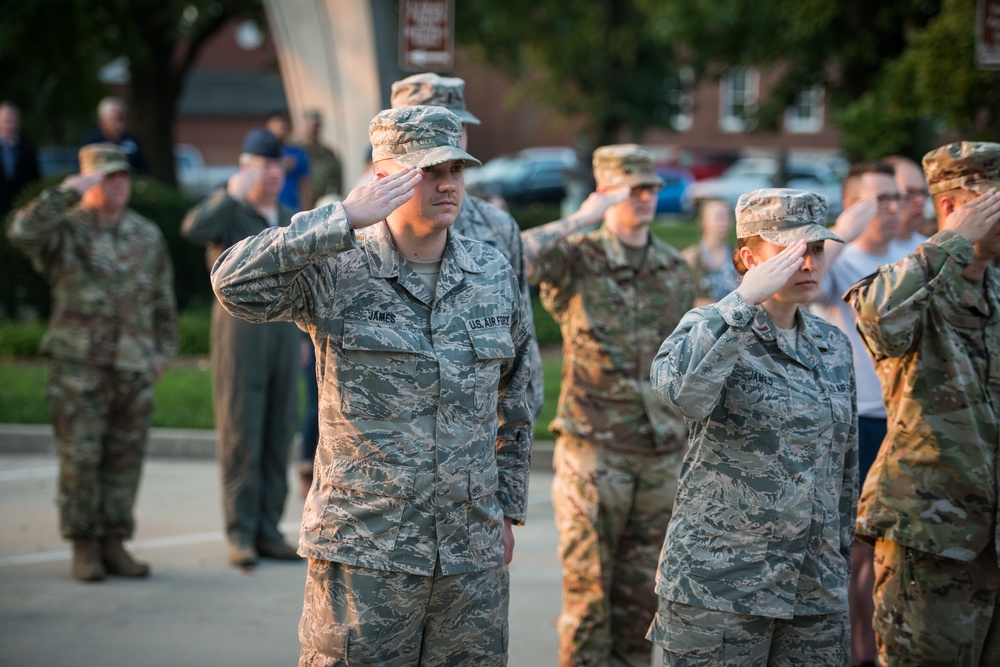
x=738, y=100
x=805, y=115
x=676, y=111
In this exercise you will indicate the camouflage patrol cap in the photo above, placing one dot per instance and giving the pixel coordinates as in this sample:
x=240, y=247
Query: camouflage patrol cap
x=106, y=158
x=783, y=216
x=624, y=164
x=418, y=136
x=429, y=89
x=973, y=165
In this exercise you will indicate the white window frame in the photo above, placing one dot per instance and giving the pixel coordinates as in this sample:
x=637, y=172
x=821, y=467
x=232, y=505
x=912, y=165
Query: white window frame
x=811, y=100
x=680, y=99
x=744, y=95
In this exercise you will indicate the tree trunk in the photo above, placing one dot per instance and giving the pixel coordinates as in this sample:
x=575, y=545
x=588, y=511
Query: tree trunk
x=153, y=102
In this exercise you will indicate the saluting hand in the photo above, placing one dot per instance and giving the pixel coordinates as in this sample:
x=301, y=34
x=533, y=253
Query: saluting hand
x=373, y=201
x=83, y=182
x=764, y=280
x=855, y=219
x=594, y=207
x=974, y=218
x=240, y=183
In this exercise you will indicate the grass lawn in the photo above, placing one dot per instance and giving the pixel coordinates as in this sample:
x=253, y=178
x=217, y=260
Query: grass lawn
x=184, y=394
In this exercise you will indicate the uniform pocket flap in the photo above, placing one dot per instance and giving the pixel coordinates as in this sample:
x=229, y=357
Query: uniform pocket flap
x=492, y=343
x=483, y=482
x=377, y=478
x=364, y=336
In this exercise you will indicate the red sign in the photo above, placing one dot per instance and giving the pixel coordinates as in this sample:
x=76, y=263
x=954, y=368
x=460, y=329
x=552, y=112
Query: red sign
x=426, y=35
x=988, y=34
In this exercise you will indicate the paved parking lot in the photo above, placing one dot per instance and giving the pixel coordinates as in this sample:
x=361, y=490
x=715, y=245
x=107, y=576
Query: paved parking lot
x=196, y=609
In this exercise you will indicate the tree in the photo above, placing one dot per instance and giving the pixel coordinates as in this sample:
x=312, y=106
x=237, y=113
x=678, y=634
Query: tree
x=51, y=63
x=595, y=58
x=892, y=70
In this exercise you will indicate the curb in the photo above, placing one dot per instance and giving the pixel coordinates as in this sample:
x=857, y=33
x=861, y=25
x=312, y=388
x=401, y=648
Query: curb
x=178, y=443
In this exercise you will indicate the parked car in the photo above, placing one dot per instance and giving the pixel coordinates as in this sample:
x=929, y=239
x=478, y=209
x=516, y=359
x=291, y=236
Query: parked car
x=671, y=198
x=194, y=177
x=528, y=176
x=704, y=163
x=752, y=173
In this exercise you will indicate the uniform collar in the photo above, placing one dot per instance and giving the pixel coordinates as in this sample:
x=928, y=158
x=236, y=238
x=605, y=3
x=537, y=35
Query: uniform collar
x=810, y=341
x=656, y=256
x=384, y=260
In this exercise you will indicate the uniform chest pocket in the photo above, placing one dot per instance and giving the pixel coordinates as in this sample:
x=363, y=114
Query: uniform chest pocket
x=757, y=393
x=492, y=348
x=377, y=376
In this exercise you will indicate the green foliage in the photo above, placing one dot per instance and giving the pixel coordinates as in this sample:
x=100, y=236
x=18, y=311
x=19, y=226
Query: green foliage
x=183, y=399
x=22, y=393
x=20, y=340
x=535, y=215
x=194, y=328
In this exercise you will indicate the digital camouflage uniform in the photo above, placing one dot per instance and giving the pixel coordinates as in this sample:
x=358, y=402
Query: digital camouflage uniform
x=113, y=318
x=425, y=426
x=478, y=219
x=930, y=501
x=618, y=448
x=763, y=522
x=254, y=386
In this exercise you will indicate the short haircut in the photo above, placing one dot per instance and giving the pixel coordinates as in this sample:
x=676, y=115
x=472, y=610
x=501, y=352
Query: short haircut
x=752, y=242
x=108, y=104
x=859, y=169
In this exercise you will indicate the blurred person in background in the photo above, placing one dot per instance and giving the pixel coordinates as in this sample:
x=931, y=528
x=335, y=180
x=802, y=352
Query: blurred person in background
x=18, y=157
x=616, y=292
x=296, y=192
x=112, y=127
x=711, y=259
x=913, y=189
x=111, y=333
x=325, y=169
x=254, y=378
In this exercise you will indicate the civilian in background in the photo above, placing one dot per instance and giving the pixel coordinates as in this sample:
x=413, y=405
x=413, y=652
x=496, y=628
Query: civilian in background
x=913, y=192
x=326, y=171
x=296, y=193
x=18, y=156
x=112, y=127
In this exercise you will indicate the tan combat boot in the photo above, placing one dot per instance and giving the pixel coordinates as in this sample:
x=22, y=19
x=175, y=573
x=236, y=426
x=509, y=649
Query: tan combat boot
x=118, y=561
x=87, y=560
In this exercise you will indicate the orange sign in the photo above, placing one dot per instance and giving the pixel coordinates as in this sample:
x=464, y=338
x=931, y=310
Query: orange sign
x=988, y=34
x=426, y=35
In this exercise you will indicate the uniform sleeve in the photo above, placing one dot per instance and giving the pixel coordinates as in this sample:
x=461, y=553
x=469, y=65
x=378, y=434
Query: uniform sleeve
x=546, y=258
x=36, y=229
x=849, y=490
x=892, y=303
x=266, y=277
x=515, y=419
x=693, y=363
x=207, y=222
x=165, y=307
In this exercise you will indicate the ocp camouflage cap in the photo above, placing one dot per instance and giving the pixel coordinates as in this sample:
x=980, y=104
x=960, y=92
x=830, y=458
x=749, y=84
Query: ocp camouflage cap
x=973, y=165
x=419, y=136
x=429, y=89
x=624, y=164
x=783, y=216
x=106, y=158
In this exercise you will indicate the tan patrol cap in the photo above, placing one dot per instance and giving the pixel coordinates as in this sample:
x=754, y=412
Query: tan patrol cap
x=973, y=165
x=783, y=216
x=624, y=164
x=106, y=158
x=418, y=136
x=429, y=89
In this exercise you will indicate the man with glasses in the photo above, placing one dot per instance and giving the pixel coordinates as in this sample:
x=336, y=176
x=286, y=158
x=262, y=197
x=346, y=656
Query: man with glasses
x=913, y=190
x=616, y=292
x=869, y=226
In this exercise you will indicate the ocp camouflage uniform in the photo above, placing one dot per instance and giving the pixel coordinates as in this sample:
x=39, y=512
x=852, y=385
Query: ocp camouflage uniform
x=113, y=319
x=930, y=501
x=425, y=425
x=763, y=521
x=618, y=448
x=482, y=221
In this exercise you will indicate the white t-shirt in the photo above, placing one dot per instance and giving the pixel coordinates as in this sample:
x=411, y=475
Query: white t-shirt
x=850, y=266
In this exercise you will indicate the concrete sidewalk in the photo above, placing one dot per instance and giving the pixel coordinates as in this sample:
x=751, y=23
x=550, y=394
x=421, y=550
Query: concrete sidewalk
x=176, y=443
x=195, y=609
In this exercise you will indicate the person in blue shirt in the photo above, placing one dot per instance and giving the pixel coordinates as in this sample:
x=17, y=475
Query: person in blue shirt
x=297, y=191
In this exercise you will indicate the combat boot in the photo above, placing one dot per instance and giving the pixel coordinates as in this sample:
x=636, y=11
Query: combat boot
x=87, y=560
x=118, y=561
